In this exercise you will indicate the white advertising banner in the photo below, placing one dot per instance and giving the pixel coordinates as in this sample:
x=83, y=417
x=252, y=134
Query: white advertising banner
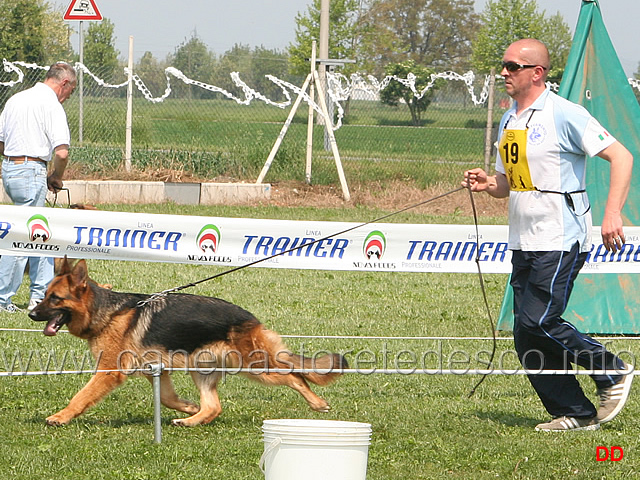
x=291, y=244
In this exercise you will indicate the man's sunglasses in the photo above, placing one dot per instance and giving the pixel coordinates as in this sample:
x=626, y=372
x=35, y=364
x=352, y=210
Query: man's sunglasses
x=514, y=66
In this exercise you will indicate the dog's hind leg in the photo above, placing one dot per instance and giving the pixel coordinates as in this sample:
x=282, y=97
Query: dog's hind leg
x=300, y=385
x=296, y=382
x=100, y=385
x=264, y=349
x=170, y=398
x=210, y=406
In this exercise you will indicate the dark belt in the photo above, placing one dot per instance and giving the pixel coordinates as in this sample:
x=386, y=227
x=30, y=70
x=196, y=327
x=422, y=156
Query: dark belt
x=25, y=158
x=568, y=199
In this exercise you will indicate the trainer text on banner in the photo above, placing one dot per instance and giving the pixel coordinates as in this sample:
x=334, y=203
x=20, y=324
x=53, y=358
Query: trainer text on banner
x=280, y=243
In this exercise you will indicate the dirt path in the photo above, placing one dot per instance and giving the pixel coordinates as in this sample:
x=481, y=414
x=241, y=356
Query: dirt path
x=298, y=194
x=391, y=197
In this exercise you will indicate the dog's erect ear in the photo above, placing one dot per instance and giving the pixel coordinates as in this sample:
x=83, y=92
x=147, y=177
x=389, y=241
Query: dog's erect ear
x=80, y=273
x=65, y=267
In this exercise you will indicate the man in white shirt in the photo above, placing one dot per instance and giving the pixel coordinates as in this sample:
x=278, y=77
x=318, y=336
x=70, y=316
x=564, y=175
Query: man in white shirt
x=544, y=143
x=33, y=134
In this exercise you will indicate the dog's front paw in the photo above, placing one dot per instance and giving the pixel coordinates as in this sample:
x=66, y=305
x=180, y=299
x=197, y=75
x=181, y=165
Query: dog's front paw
x=180, y=422
x=322, y=408
x=57, y=420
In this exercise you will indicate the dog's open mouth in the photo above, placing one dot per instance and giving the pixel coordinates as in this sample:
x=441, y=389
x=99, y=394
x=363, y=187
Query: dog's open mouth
x=55, y=324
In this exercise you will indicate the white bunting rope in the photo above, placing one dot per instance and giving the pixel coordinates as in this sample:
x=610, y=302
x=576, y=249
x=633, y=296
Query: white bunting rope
x=249, y=93
x=340, y=88
x=80, y=67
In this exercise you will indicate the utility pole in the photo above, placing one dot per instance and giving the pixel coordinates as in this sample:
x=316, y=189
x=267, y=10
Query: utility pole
x=322, y=69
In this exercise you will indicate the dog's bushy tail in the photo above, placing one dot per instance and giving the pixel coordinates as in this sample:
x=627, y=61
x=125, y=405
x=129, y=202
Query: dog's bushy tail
x=262, y=347
x=320, y=370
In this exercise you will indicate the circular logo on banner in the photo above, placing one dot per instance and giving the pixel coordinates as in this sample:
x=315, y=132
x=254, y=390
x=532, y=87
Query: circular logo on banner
x=39, y=229
x=208, y=238
x=375, y=245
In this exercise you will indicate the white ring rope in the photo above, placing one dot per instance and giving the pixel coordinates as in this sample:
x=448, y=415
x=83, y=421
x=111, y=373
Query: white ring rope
x=362, y=371
x=361, y=337
x=320, y=371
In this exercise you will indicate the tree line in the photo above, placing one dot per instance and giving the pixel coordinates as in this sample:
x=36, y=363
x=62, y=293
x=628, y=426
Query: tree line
x=398, y=37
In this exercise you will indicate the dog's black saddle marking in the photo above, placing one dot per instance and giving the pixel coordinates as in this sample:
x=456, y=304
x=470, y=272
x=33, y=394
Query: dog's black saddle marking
x=188, y=322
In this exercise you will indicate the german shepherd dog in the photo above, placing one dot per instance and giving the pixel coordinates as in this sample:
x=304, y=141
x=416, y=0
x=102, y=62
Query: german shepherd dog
x=126, y=335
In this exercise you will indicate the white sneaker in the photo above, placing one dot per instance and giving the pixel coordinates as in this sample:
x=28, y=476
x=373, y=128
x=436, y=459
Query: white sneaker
x=33, y=303
x=9, y=308
x=613, y=398
x=564, y=424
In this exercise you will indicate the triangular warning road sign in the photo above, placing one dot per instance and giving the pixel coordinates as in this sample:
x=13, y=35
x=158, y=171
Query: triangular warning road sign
x=82, y=10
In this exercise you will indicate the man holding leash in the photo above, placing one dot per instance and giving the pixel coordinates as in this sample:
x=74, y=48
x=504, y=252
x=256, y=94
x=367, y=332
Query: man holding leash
x=34, y=133
x=543, y=144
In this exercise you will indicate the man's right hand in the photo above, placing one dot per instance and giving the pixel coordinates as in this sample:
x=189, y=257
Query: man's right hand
x=477, y=180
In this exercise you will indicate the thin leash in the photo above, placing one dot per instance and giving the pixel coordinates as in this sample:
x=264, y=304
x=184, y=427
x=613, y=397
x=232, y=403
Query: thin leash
x=158, y=295
x=164, y=293
x=484, y=293
x=55, y=198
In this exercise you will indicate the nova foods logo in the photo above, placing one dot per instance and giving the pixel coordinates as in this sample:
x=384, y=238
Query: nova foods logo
x=374, y=248
x=38, y=227
x=209, y=238
x=374, y=245
x=208, y=241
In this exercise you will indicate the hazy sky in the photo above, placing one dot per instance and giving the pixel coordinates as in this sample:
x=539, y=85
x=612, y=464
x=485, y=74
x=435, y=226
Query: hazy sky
x=159, y=26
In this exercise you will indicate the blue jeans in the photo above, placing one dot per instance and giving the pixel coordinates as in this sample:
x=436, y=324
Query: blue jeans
x=26, y=184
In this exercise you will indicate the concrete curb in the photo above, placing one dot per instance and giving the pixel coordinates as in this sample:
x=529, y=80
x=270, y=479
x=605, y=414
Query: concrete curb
x=116, y=191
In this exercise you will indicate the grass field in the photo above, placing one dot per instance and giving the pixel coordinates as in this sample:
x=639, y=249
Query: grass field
x=424, y=426
x=218, y=138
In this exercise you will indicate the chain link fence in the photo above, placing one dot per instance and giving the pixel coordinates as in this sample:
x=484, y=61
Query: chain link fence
x=191, y=130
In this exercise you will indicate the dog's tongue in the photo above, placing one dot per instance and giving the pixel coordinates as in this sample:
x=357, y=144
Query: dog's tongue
x=51, y=329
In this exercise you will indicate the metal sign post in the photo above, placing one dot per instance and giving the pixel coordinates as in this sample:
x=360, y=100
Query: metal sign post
x=82, y=10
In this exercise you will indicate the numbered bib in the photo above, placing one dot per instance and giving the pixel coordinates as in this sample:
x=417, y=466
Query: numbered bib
x=513, y=153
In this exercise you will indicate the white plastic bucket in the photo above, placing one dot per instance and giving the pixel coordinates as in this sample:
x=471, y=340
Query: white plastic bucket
x=315, y=450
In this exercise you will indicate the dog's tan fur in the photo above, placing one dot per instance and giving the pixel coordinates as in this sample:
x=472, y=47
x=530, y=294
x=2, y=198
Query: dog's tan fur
x=124, y=336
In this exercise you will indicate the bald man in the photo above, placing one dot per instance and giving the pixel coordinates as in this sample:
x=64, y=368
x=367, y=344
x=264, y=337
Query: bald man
x=544, y=141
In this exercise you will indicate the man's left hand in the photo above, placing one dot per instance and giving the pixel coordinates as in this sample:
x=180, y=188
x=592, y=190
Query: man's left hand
x=54, y=183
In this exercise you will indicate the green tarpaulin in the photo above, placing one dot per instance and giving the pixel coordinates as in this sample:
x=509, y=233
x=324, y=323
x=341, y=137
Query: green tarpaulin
x=594, y=78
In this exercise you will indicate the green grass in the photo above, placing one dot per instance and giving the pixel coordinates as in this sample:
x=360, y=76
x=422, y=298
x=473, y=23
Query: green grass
x=424, y=427
x=426, y=156
x=218, y=138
